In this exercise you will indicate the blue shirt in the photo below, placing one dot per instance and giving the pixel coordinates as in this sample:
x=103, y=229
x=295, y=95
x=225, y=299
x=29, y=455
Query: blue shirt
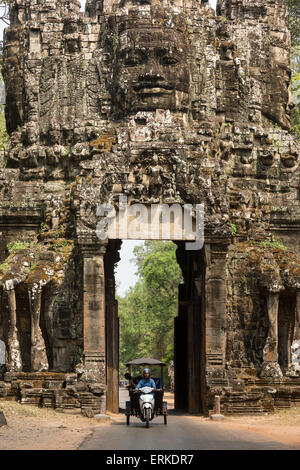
x=146, y=383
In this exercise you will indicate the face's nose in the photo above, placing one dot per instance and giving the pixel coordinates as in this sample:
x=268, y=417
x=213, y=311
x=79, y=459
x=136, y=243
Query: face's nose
x=151, y=71
x=150, y=76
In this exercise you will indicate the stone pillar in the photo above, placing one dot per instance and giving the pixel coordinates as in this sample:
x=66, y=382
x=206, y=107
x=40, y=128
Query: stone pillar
x=94, y=314
x=112, y=359
x=39, y=360
x=180, y=351
x=14, y=353
x=194, y=343
x=270, y=366
x=112, y=328
x=270, y=352
x=215, y=308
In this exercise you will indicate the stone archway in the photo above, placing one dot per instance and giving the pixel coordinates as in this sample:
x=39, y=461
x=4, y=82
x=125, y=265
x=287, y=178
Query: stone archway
x=189, y=331
x=200, y=338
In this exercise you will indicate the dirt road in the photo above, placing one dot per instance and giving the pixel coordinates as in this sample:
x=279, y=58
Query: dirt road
x=45, y=429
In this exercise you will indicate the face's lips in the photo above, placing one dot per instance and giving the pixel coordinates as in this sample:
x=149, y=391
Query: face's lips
x=152, y=88
x=154, y=91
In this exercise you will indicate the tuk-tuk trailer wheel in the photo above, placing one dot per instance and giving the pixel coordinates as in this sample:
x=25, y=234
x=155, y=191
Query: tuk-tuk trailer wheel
x=128, y=412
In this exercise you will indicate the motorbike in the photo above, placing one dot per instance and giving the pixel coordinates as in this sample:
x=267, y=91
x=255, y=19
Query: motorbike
x=147, y=402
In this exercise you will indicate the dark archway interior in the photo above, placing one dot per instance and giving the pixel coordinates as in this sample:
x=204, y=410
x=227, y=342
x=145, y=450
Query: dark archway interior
x=24, y=326
x=286, y=327
x=189, y=331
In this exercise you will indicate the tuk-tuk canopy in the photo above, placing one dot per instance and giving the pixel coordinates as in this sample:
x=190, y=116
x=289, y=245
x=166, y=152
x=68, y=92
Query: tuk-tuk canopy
x=145, y=361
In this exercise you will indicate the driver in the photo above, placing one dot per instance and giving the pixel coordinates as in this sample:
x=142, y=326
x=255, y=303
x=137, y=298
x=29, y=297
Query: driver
x=146, y=380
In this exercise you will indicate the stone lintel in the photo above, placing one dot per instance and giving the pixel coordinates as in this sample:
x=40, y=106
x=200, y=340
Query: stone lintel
x=91, y=248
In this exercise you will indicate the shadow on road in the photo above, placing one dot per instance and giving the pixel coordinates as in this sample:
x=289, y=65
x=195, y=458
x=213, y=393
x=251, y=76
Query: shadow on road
x=172, y=412
x=137, y=424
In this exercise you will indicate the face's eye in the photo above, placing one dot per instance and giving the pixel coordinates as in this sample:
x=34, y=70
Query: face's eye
x=168, y=60
x=132, y=62
x=132, y=59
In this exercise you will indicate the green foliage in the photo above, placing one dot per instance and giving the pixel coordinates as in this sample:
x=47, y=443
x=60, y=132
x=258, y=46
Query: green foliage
x=44, y=227
x=293, y=20
x=295, y=115
x=275, y=243
x=3, y=133
x=295, y=122
x=58, y=244
x=148, y=309
x=4, y=267
x=233, y=229
x=13, y=247
x=223, y=19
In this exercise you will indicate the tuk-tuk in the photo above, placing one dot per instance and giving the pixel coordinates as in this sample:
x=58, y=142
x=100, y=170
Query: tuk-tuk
x=141, y=404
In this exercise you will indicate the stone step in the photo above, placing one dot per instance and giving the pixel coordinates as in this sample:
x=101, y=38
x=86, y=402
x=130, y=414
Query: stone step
x=31, y=396
x=244, y=410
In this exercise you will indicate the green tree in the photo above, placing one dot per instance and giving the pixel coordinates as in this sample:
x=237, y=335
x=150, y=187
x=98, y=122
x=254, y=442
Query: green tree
x=148, y=309
x=293, y=20
x=162, y=275
x=3, y=132
x=4, y=18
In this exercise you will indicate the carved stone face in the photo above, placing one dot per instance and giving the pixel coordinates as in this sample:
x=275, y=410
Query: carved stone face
x=151, y=71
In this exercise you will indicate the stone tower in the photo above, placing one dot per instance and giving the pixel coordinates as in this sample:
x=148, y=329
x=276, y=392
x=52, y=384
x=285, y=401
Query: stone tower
x=162, y=102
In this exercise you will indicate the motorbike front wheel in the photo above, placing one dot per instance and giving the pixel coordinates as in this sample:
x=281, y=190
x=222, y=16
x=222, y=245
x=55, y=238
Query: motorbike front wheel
x=148, y=417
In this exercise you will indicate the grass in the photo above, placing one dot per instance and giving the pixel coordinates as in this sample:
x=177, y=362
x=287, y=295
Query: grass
x=15, y=409
x=288, y=417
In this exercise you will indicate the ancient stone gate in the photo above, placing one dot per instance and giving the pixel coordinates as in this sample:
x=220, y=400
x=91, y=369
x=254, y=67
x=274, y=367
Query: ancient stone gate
x=161, y=102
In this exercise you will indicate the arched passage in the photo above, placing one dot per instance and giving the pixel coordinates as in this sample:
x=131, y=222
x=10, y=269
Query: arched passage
x=200, y=326
x=189, y=331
